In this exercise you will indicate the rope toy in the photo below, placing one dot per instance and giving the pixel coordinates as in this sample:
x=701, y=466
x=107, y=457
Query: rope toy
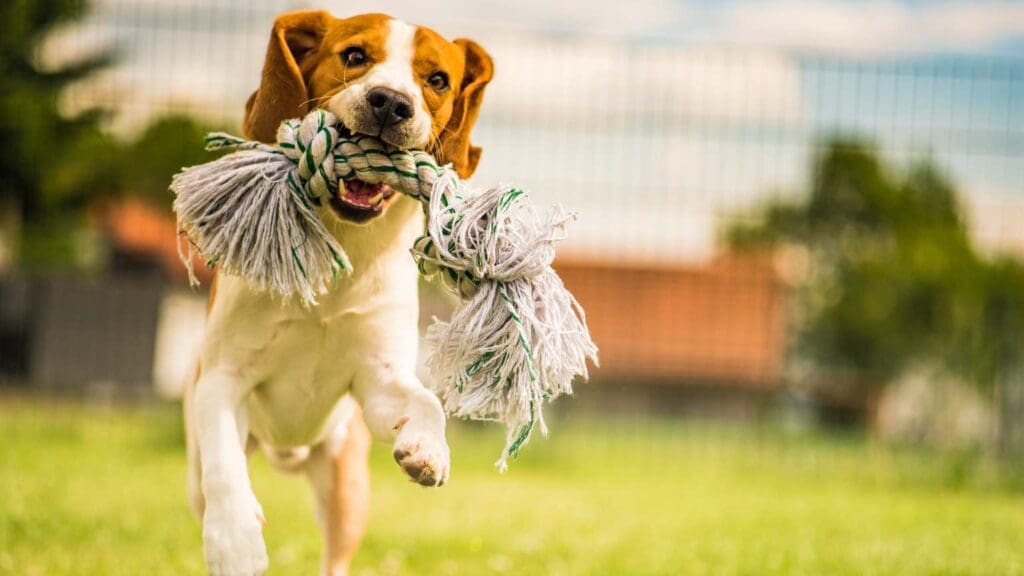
x=516, y=339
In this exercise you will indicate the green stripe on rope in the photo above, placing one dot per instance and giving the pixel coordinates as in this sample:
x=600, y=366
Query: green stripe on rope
x=503, y=291
x=524, y=434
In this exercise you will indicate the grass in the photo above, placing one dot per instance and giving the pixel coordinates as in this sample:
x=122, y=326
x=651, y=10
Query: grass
x=101, y=492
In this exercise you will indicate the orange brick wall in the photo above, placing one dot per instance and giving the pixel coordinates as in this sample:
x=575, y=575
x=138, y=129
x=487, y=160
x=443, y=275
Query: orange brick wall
x=717, y=324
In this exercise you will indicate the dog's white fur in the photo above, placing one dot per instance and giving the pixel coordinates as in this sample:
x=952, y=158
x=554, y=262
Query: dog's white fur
x=281, y=375
x=395, y=73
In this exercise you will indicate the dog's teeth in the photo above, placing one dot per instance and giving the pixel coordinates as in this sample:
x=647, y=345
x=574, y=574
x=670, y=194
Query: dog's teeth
x=374, y=200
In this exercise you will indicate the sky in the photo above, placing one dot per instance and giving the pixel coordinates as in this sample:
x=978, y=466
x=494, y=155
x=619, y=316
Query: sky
x=654, y=119
x=852, y=28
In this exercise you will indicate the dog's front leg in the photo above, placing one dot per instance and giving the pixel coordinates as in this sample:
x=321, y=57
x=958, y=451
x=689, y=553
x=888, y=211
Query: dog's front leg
x=232, y=532
x=398, y=409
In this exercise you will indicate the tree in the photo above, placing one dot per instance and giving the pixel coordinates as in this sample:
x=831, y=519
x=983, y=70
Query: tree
x=168, y=144
x=987, y=348
x=894, y=280
x=51, y=164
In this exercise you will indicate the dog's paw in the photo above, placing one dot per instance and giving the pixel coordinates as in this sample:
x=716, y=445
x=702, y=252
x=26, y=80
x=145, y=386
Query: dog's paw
x=233, y=540
x=423, y=456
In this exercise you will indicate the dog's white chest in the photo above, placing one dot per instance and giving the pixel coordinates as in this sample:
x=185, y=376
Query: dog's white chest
x=296, y=363
x=300, y=376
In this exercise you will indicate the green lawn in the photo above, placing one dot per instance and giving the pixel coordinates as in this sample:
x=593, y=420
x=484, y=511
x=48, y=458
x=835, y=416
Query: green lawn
x=95, y=492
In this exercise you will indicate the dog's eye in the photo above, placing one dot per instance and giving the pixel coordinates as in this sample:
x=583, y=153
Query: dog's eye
x=354, y=56
x=438, y=81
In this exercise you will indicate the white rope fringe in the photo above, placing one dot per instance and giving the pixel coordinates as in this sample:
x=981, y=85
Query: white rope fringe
x=517, y=338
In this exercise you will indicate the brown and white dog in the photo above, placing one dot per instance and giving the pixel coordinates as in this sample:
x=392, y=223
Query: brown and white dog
x=287, y=379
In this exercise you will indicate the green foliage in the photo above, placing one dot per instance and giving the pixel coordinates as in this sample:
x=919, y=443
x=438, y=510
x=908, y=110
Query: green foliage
x=893, y=277
x=53, y=166
x=168, y=144
x=49, y=168
x=988, y=321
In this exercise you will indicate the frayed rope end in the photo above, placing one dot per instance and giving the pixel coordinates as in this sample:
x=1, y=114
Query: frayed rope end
x=245, y=213
x=518, y=338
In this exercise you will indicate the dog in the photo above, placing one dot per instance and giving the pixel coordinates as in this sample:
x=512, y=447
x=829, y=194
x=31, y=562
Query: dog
x=310, y=386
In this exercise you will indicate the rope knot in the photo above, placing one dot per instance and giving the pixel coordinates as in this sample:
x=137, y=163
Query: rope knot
x=323, y=158
x=492, y=235
x=309, y=143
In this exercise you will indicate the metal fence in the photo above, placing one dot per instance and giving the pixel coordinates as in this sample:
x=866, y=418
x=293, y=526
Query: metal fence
x=654, y=143
x=656, y=140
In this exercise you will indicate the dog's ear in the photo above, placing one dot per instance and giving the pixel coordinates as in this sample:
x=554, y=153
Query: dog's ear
x=454, y=140
x=291, y=54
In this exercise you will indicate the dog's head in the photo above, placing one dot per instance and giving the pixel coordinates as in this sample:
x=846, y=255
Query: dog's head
x=403, y=84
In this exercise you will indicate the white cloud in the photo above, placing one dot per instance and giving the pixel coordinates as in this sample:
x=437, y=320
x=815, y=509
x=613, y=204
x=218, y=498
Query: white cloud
x=855, y=28
x=572, y=81
x=464, y=17
x=649, y=144
x=870, y=28
x=867, y=28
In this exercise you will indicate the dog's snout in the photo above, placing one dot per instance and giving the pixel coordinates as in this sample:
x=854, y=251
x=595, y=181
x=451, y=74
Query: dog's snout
x=390, y=107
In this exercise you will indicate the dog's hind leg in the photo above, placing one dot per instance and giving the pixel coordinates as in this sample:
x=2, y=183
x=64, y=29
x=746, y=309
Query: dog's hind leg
x=338, y=470
x=195, y=470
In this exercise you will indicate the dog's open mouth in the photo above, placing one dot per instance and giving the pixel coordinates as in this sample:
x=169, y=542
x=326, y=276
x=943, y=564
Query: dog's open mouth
x=358, y=201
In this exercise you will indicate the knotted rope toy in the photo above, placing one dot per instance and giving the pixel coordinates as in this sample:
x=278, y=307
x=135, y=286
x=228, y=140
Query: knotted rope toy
x=516, y=339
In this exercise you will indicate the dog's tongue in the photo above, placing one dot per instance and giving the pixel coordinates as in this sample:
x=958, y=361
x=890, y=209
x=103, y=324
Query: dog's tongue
x=362, y=194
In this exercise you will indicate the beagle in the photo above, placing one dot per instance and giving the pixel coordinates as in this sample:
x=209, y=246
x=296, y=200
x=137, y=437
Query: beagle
x=309, y=386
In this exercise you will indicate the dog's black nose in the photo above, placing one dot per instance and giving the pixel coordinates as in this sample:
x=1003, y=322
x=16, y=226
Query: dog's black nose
x=390, y=107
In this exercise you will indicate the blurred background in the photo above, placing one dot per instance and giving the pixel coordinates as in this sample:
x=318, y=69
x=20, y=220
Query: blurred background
x=800, y=246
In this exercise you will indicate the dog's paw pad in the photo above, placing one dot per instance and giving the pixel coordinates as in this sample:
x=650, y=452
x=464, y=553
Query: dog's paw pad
x=426, y=463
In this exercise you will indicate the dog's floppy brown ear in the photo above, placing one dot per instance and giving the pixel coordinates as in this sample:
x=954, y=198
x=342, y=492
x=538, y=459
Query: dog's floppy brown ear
x=282, y=94
x=454, y=140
